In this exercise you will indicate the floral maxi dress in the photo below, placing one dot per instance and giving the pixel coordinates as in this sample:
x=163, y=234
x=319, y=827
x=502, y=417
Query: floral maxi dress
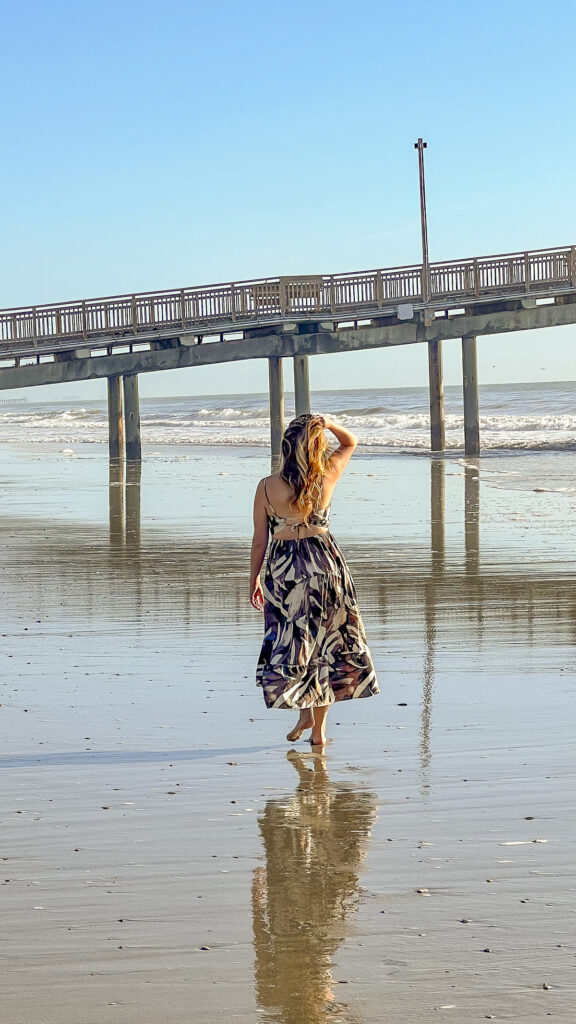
x=314, y=650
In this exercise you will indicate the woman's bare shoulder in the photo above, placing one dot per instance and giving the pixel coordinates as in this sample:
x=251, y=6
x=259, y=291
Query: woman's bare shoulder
x=272, y=482
x=276, y=480
x=280, y=492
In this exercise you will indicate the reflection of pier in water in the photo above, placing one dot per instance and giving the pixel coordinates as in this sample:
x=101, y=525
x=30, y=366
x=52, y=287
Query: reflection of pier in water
x=181, y=580
x=472, y=517
x=471, y=514
x=125, y=480
x=434, y=587
x=314, y=842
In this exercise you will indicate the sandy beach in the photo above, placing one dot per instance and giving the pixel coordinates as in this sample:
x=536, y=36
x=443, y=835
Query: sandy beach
x=167, y=858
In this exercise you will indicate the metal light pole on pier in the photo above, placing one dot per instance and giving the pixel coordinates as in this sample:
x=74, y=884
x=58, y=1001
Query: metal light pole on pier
x=435, y=375
x=421, y=146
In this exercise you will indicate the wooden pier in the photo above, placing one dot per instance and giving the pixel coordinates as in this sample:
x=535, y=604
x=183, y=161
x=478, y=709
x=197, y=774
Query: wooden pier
x=121, y=336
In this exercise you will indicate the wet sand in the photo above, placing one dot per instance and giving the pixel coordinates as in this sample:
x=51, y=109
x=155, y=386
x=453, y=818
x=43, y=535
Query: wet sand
x=167, y=858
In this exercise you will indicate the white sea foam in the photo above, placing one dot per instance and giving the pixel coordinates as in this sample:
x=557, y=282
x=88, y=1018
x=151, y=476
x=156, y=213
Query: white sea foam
x=513, y=417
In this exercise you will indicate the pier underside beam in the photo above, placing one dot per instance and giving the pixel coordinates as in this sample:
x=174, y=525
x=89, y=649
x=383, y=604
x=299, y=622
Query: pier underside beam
x=276, y=388
x=437, y=439
x=301, y=385
x=132, y=419
x=470, y=391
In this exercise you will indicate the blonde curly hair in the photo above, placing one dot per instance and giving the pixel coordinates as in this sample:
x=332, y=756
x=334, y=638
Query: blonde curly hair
x=304, y=461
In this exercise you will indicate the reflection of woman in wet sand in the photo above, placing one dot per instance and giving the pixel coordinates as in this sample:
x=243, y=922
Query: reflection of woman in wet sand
x=314, y=843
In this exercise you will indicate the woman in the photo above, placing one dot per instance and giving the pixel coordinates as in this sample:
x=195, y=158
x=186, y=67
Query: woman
x=314, y=651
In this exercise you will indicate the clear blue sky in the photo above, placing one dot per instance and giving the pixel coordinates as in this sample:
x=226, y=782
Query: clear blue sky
x=155, y=145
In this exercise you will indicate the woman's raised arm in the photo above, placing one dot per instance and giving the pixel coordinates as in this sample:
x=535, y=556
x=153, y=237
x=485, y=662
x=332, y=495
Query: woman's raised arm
x=341, y=456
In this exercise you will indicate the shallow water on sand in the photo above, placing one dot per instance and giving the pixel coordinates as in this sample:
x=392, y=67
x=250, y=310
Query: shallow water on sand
x=169, y=861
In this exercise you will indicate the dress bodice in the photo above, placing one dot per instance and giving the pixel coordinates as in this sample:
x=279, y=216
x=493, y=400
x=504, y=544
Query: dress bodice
x=277, y=523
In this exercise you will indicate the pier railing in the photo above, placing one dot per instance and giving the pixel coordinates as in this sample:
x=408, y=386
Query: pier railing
x=241, y=304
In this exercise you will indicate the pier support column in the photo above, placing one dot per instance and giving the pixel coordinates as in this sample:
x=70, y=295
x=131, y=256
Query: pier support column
x=301, y=385
x=436, y=396
x=470, y=389
x=115, y=419
x=276, y=387
x=132, y=419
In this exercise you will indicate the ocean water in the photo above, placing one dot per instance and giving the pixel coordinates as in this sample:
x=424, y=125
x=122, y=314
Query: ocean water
x=514, y=418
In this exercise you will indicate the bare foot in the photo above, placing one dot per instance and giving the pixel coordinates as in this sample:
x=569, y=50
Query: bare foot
x=318, y=739
x=305, y=721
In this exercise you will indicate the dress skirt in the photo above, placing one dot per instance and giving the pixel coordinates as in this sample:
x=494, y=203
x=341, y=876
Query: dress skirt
x=314, y=650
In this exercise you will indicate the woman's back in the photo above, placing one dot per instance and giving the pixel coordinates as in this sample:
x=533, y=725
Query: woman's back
x=279, y=496
x=301, y=492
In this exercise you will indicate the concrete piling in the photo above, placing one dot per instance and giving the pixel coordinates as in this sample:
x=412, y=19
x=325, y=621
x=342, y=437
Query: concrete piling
x=115, y=419
x=437, y=431
x=132, y=419
x=276, y=389
x=470, y=392
x=301, y=385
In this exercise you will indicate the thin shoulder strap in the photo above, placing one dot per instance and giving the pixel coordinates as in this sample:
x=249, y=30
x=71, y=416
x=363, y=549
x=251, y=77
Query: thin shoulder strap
x=267, y=498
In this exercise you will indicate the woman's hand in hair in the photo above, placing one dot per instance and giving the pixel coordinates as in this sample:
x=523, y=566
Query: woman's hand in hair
x=345, y=436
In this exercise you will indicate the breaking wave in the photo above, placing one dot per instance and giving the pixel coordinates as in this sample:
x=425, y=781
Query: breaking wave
x=520, y=418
